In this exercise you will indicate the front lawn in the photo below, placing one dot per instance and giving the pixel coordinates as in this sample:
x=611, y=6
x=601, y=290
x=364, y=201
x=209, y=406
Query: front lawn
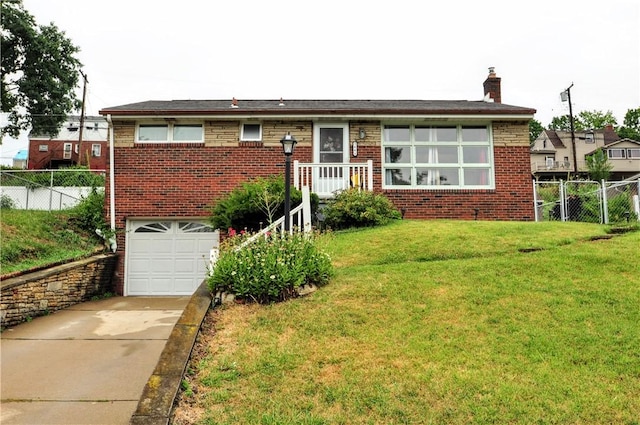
x=442, y=322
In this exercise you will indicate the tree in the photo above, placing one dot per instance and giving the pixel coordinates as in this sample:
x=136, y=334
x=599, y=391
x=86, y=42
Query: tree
x=584, y=120
x=39, y=73
x=599, y=166
x=562, y=123
x=595, y=120
x=631, y=127
x=535, y=128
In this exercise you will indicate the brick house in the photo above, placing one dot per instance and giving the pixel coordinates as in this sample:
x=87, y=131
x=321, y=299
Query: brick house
x=432, y=158
x=65, y=150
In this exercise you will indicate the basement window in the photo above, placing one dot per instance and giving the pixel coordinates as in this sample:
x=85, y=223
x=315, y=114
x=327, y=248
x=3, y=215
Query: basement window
x=251, y=133
x=170, y=133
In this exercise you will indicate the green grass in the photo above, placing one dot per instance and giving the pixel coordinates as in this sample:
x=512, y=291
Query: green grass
x=439, y=322
x=33, y=239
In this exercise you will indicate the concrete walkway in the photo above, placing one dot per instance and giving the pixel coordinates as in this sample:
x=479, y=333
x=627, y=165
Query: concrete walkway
x=92, y=363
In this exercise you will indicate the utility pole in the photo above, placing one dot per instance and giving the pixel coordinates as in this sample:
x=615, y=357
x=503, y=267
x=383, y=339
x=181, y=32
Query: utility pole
x=567, y=92
x=84, y=95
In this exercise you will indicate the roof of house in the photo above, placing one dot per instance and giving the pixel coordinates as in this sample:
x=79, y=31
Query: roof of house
x=553, y=137
x=611, y=144
x=317, y=107
x=610, y=135
x=21, y=155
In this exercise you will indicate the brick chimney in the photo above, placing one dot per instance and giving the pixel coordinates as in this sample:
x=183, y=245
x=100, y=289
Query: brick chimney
x=492, y=87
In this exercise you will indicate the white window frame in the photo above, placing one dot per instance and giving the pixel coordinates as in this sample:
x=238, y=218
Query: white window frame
x=96, y=150
x=620, y=151
x=633, y=153
x=43, y=148
x=245, y=138
x=412, y=165
x=66, y=151
x=170, y=132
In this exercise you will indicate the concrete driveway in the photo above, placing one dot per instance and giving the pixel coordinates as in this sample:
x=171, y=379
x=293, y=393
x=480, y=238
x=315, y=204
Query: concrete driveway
x=87, y=364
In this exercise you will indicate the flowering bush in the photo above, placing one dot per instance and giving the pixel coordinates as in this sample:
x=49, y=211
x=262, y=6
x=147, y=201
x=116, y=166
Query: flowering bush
x=271, y=268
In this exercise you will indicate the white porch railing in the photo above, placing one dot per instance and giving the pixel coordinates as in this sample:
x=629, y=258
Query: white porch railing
x=328, y=178
x=299, y=220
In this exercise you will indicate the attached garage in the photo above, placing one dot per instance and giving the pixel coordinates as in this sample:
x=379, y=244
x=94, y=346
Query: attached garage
x=167, y=257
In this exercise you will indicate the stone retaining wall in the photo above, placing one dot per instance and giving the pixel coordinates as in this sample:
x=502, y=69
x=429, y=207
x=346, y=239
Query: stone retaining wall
x=45, y=291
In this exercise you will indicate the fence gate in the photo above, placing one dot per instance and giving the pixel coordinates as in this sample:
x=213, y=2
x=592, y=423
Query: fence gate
x=587, y=201
x=569, y=201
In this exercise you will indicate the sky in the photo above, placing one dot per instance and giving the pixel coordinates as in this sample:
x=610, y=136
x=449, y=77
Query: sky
x=138, y=50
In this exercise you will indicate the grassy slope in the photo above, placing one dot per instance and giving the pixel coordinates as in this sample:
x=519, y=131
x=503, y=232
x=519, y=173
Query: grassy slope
x=33, y=239
x=438, y=322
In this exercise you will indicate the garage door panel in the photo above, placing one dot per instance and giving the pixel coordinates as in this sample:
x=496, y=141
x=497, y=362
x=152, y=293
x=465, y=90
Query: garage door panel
x=185, y=265
x=185, y=285
x=162, y=265
x=204, y=245
x=140, y=265
x=184, y=246
x=161, y=285
x=167, y=258
x=138, y=286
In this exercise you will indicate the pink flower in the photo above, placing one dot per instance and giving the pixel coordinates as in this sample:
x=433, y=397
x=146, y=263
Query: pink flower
x=231, y=232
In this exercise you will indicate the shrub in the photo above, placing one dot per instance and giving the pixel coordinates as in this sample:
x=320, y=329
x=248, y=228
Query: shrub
x=359, y=208
x=621, y=208
x=254, y=204
x=88, y=215
x=271, y=268
x=6, y=203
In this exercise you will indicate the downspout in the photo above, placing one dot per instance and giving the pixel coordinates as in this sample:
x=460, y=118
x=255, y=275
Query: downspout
x=112, y=195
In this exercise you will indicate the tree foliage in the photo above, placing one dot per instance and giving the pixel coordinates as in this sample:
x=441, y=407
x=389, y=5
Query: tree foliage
x=599, y=166
x=595, y=120
x=584, y=120
x=535, y=128
x=561, y=123
x=631, y=126
x=39, y=73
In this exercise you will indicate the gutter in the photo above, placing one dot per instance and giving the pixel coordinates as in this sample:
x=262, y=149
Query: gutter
x=112, y=195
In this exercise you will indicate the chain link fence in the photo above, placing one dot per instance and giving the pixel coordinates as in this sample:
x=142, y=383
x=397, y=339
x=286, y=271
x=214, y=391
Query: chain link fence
x=47, y=189
x=587, y=201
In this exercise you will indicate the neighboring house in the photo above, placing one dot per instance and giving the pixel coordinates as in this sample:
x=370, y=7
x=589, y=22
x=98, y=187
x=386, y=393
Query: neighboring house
x=446, y=159
x=65, y=150
x=20, y=159
x=552, y=154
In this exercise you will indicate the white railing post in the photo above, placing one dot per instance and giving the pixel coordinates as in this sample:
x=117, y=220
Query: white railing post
x=370, y=175
x=306, y=209
x=296, y=174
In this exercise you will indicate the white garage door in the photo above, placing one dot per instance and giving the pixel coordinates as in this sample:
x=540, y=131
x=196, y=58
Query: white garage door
x=167, y=257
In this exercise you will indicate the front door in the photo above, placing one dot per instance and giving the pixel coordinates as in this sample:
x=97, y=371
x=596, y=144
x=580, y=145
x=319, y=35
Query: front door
x=331, y=151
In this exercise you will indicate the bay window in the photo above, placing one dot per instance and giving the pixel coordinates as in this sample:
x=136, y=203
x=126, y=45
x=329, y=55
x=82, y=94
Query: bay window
x=443, y=157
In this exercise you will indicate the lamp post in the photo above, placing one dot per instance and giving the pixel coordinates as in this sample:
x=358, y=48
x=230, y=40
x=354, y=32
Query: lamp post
x=288, y=144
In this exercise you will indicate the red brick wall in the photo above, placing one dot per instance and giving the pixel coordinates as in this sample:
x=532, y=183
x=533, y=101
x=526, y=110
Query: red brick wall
x=512, y=198
x=40, y=160
x=182, y=180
